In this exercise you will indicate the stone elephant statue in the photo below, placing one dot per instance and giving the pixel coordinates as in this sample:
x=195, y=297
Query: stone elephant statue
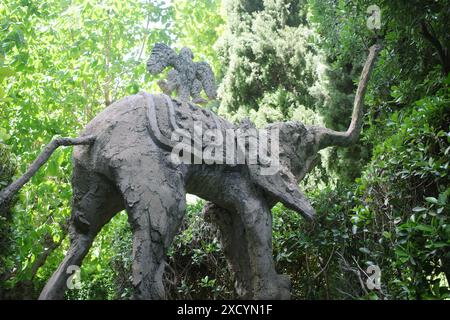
x=129, y=166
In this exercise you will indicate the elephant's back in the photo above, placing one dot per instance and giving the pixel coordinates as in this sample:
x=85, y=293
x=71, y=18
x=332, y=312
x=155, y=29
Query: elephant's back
x=169, y=119
x=117, y=129
x=119, y=114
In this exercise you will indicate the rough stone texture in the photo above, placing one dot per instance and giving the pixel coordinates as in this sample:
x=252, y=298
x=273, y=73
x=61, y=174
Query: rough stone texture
x=187, y=77
x=129, y=167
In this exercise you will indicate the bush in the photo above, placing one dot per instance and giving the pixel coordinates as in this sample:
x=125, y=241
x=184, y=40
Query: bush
x=395, y=216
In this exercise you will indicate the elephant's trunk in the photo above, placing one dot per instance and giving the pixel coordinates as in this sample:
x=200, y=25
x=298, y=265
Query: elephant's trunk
x=327, y=137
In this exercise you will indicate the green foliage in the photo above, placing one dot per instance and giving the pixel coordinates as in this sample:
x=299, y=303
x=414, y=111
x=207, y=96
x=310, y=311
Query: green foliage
x=408, y=59
x=197, y=267
x=395, y=216
x=199, y=25
x=106, y=271
x=7, y=170
x=61, y=62
x=405, y=190
x=267, y=75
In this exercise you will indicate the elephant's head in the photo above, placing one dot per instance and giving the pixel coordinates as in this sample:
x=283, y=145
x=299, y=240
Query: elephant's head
x=299, y=146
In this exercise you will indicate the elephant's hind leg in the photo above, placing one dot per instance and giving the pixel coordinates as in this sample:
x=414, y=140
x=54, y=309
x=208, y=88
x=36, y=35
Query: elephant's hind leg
x=95, y=202
x=155, y=201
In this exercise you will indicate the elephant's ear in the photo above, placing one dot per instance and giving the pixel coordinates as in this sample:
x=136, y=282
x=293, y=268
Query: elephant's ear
x=283, y=187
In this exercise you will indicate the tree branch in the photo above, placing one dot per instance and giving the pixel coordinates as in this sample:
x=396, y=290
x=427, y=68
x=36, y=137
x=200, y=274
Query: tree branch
x=7, y=193
x=107, y=84
x=49, y=246
x=147, y=25
x=438, y=46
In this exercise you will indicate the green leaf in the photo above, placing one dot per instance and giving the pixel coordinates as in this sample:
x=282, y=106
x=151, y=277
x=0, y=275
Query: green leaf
x=6, y=72
x=424, y=227
x=431, y=200
x=364, y=250
x=437, y=245
x=4, y=136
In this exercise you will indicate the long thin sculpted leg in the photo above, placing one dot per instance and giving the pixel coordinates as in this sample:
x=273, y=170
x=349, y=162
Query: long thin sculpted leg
x=95, y=202
x=257, y=222
x=155, y=201
x=234, y=244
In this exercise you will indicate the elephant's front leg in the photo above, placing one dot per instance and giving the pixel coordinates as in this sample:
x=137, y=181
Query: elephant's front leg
x=234, y=245
x=257, y=221
x=267, y=284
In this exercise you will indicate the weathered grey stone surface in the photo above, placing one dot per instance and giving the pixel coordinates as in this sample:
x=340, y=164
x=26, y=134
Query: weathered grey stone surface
x=127, y=167
x=187, y=77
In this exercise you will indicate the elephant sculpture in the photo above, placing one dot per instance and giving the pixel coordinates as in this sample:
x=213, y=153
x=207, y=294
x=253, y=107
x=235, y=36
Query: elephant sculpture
x=128, y=166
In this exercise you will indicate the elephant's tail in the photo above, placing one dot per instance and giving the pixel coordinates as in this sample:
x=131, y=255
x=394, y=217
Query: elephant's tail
x=8, y=193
